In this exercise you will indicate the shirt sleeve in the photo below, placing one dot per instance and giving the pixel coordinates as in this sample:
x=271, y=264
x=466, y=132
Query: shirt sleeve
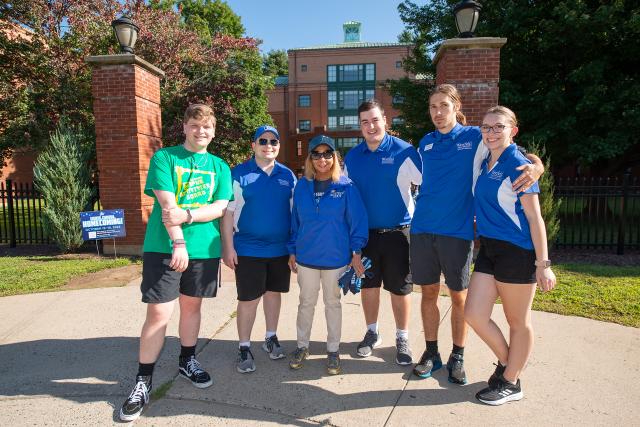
x=159, y=176
x=295, y=224
x=357, y=219
x=224, y=186
x=415, y=173
x=514, y=174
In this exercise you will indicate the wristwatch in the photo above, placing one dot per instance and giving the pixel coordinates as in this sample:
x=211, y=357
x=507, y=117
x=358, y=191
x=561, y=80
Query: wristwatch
x=357, y=252
x=544, y=263
x=189, y=217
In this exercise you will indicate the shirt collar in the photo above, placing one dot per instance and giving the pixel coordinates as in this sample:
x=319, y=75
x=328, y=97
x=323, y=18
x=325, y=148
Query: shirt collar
x=385, y=144
x=253, y=166
x=508, y=152
x=452, y=135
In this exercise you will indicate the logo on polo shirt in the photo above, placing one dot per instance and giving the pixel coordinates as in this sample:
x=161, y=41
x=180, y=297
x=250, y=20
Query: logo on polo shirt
x=387, y=160
x=464, y=145
x=336, y=194
x=284, y=182
x=428, y=147
x=497, y=175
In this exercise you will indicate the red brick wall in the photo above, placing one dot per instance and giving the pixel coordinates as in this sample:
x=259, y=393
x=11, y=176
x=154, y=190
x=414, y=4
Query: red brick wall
x=476, y=74
x=19, y=167
x=128, y=132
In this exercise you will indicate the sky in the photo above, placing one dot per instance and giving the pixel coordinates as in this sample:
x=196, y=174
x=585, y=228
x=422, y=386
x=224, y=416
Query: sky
x=285, y=24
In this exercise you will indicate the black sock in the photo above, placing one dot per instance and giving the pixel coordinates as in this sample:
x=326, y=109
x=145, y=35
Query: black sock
x=187, y=351
x=146, y=369
x=458, y=350
x=432, y=347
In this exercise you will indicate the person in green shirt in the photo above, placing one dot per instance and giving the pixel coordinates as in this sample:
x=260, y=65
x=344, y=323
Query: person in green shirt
x=181, y=253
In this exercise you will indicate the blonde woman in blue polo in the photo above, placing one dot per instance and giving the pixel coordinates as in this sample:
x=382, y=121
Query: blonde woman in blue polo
x=513, y=257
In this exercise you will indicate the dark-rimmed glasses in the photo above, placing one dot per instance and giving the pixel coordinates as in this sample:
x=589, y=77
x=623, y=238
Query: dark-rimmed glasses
x=495, y=128
x=265, y=141
x=316, y=155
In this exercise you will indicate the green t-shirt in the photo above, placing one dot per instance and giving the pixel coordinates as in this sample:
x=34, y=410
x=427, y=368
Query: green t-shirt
x=196, y=180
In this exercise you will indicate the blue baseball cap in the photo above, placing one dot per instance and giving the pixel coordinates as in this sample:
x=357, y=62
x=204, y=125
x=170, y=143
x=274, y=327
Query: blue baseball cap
x=321, y=139
x=264, y=129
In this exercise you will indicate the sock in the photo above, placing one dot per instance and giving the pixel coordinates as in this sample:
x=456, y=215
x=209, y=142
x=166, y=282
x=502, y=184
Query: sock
x=269, y=334
x=402, y=333
x=458, y=350
x=373, y=327
x=187, y=351
x=146, y=369
x=432, y=347
x=244, y=344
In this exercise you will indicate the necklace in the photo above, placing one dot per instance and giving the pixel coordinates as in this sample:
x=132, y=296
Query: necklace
x=202, y=163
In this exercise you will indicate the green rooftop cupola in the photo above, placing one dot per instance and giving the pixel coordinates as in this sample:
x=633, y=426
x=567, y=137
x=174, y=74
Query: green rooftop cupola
x=351, y=31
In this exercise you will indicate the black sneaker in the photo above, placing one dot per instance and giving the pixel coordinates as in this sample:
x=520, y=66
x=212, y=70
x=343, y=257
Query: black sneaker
x=501, y=393
x=272, y=346
x=455, y=366
x=427, y=365
x=403, y=352
x=191, y=369
x=245, y=362
x=370, y=341
x=493, y=379
x=139, y=397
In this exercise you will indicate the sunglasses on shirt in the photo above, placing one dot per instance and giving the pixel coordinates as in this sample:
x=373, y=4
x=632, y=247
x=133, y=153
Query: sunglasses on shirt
x=265, y=141
x=316, y=155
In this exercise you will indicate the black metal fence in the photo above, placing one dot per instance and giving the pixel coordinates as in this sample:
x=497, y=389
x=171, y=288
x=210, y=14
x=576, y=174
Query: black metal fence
x=21, y=214
x=599, y=213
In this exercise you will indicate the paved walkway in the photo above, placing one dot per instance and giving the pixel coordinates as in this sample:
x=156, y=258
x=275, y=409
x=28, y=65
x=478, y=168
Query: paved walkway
x=69, y=358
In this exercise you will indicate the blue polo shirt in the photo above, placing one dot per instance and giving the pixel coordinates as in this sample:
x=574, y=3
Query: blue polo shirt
x=261, y=209
x=450, y=164
x=383, y=178
x=499, y=214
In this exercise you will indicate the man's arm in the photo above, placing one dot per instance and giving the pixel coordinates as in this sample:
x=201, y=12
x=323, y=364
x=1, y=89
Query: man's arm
x=530, y=173
x=178, y=216
x=179, y=255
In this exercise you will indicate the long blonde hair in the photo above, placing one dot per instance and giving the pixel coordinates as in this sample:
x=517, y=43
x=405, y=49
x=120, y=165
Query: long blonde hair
x=456, y=99
x=336, y=170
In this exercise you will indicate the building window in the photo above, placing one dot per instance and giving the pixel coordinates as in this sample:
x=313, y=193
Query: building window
x=345, y=144
x=299, y=148
x=370, y=94
x=304, y=101
x=331, y=73
x=397, y=99
x=343, y=122
x=333, y=122
x=398, y=64
x=332, y=100
x=348, y=99
x=303, y=67
x=397, y=121
x=304, y=125
x=370, y=72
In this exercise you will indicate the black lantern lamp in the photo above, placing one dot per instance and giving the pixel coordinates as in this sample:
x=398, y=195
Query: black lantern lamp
x=466, y=13
x=126, y=32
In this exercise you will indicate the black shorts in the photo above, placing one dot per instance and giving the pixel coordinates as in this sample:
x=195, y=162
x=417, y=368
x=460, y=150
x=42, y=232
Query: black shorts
x=506, y=262
x=389, y=255
x=435, y=254
x=255, y=276
x=163, y=284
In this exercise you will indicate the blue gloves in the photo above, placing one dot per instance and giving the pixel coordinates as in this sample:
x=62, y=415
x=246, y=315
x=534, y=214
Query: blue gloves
x=349, y=281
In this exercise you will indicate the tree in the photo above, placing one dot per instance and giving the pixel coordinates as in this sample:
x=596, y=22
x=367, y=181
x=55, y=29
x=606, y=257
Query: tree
x=62, y=174
x=567, y=70
x=276, y=63
x=549, y=204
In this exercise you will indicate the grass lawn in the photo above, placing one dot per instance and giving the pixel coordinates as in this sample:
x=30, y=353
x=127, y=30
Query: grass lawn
x=29, y=274
x=607, y=293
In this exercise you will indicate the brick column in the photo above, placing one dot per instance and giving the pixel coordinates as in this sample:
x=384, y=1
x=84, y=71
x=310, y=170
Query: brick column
x=126, y=106
x=473, y=66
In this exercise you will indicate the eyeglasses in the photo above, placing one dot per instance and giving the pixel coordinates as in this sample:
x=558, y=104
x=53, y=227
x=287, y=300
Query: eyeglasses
x=495, y=128
x=265, y=141
x=316, y=155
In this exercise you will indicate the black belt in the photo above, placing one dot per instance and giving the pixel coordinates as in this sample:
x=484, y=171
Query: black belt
x=388, y=230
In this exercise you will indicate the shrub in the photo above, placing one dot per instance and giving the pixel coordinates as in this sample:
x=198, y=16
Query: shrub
x=62, y=174
x=549, y=205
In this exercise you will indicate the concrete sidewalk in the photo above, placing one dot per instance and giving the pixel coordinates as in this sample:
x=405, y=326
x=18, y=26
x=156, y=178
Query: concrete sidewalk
x=68, y=358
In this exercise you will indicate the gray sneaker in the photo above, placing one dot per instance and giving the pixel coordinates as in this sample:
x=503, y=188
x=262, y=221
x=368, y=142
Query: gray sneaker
x=333, y=363
x=371, y=340
x=403, y=352
x=272, y=346
x=245, y=363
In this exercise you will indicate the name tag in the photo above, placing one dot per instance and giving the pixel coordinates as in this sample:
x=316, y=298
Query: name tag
x=387, y=160
x=463, y=146
x=428, y=147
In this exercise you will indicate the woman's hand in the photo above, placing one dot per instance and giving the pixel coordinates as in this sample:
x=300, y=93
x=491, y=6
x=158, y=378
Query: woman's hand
x=545, y=278
x=356, y=263
x=292, y=263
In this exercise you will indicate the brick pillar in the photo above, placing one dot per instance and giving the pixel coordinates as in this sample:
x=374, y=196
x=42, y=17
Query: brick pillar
x=126, y=106
x=472, y=65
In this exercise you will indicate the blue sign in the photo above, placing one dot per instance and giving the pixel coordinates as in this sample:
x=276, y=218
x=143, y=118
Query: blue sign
x=97, y=225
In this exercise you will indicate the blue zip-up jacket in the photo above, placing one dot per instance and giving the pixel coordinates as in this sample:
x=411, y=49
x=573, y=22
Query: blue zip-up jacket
x=324, y=234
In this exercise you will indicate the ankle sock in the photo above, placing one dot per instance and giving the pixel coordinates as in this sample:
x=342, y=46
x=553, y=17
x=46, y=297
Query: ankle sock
x=146, y=369
x=373, y=327
x=432, y=347
x=269, y=334
x=402, y=333
x=244, y=344
x=187, y=351
x=458, y=350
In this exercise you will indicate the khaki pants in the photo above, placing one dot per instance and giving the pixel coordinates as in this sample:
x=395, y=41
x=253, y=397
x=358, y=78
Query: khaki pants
x=309, y=280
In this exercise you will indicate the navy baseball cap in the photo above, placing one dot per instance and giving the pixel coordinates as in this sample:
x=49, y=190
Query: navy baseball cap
x=264, y=129
x=322, y=139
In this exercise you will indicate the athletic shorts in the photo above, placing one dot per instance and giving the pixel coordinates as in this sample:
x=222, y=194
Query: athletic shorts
x=163, y=284
x=506, y=262
x=389, y=255
x=435, y=254
x=255, y=276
